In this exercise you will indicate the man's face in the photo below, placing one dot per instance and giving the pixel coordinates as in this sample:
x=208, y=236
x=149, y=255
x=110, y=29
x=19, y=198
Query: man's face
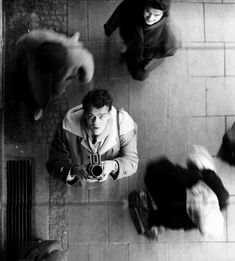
x=152, y=15
x=97, y=119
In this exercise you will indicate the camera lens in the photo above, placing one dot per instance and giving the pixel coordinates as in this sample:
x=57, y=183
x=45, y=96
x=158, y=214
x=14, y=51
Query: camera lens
x=97, y=171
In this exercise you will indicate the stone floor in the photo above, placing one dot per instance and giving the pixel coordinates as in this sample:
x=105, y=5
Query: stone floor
x=189, y=99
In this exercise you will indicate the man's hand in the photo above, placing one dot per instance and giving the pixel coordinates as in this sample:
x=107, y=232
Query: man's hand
x=81, y=173
x=108, y=167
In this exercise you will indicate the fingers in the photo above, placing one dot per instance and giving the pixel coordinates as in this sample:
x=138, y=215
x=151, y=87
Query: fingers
x=104, y=178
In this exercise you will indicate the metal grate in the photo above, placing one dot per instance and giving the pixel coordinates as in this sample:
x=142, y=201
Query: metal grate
x=19, y=206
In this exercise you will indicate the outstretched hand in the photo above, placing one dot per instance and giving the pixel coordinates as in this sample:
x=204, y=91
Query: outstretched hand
x=81, y=173
x=108, y=167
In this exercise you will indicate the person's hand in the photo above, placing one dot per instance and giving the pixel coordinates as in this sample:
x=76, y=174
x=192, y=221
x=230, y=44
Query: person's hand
x=108, y=167
x=81, y=173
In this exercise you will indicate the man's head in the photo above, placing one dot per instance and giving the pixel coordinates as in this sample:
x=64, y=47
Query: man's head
x=154, y=10
x=96, y=105
x=50, y=57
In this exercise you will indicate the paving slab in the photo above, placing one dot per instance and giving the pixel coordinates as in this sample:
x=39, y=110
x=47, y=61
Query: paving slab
x=190, y=22
x=104, y=252
x=98, y=14
x=220, y=22
x=230, y=59
x=206, y=131
x=220, y=93
x=148, y=252
x=88, y=224
x=206, y=59
x=78, y=252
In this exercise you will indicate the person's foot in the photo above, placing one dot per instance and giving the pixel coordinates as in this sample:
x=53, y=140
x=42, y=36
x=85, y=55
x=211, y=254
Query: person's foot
x=37, y=114
x=139, y=211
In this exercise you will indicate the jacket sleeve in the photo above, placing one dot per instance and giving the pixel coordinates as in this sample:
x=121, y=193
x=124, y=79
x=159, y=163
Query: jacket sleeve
x=115, y=20
x=128, y=156
x=216, y=184
x=59, y=162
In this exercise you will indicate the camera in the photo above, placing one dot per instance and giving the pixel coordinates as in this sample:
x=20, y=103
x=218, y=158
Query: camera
x=95, y=167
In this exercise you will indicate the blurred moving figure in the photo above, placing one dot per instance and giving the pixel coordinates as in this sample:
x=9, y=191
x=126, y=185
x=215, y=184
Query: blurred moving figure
x=178, y=198
x=47, y=250
x=146, y=32
x=47, y=62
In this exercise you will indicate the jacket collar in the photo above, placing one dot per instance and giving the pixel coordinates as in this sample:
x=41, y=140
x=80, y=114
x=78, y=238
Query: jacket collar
x=73, y=123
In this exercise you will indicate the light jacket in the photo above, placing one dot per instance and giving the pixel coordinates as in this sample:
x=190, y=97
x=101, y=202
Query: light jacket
x=70, y=145
x=46, y=87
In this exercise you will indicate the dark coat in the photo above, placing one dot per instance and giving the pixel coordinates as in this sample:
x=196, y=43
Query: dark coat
x=143, y=42
x=167, y=184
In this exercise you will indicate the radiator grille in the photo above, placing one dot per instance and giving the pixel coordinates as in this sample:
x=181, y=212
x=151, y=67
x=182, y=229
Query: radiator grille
x=19, y=206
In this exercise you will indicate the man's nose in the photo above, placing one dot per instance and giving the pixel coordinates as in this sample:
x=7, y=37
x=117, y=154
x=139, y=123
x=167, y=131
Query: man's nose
x=95, y=120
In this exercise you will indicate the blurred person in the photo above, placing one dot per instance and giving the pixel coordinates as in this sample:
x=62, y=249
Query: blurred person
x=95, y=141
x=146, y=32
x=47, y=250
x=47, y=62
x=180, y=198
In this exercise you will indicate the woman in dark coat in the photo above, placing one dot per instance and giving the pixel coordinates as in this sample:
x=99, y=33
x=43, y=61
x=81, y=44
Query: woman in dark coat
x=146, y=32
x=173, y=190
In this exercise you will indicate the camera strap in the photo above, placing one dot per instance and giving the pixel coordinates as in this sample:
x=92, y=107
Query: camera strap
x=118, y=126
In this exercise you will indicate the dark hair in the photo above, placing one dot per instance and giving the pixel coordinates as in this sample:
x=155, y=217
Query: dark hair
x=163, y=5
x=50, y=56
x=97, y=98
